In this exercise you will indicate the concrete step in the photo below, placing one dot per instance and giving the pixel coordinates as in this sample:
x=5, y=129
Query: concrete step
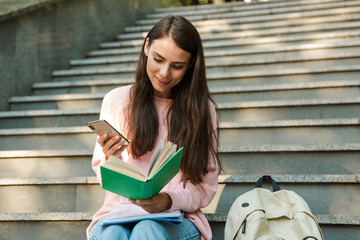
x=61, y=102
x=323, y=131
x=243, y=24
x=267, y=42
x=223, y=48
x=239, y=7
x=212, y=27
x=46, y=118
x=74, y=194
x=62, y=138
x=315, y=159
x=49, y=163
x=216, y=73
x=279, y=76
x=286, y=110
x=241, y=32
x=248, y=111
x=276, y=10
x=291, y=159
x=294, y=91
x=43, y=226
x=337, y=89
x=242, y=10
x=237, y=64
x=244, y=6
x=307, y=59
x=257, y=16
x=77, y=87
x=338, y=189
x=288, y=30
x=218, y=26
x=83, y=194
x=232, y=70
x=218, y=93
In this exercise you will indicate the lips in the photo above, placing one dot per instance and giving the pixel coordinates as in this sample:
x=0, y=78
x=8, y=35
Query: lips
x=162, y=81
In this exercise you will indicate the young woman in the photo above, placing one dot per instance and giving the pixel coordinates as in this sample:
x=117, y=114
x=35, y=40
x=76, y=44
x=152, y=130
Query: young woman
x=169, y=100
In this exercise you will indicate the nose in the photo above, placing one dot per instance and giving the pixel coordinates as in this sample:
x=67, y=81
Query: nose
x=164, y=71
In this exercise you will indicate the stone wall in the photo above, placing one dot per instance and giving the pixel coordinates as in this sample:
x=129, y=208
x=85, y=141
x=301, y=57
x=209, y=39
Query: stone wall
x=40, y=36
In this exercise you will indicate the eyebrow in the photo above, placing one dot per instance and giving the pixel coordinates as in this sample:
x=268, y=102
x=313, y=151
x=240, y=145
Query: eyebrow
x=165, y=58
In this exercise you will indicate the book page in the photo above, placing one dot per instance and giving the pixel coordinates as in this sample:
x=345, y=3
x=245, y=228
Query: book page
x=156, y=154
x=168, y=151
x=118, y=165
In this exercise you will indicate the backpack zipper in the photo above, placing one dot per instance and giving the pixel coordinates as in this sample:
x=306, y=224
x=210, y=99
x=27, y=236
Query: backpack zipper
x=244, y=226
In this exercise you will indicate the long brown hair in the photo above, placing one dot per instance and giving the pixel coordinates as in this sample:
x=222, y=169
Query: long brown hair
x=189, y=117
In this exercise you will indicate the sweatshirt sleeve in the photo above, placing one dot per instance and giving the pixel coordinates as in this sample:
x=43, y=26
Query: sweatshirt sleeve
x=196, y=196
x=99, y=157
x=112, y=111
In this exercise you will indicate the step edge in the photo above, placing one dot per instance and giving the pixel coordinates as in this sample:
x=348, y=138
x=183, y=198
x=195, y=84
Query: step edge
x=56, y=97
x=263, y=11
x=230, y=75
x=212, y=217
x=244, y=62
x=46, y=113
x=214, y=90
x=209, y=52
x=224, y=4
x=292, y=123
x=254, y=9
x=223, y=125
x=273, y=28
x=223, y=28
x=222, y=150
x=223, y=179
x=269, y=148
x=44, y=153
x=287, y=103
x=266, y=14
x=227, y=5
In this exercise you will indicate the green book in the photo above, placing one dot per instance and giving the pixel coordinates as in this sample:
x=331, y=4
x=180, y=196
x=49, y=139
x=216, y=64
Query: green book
x=128, y=181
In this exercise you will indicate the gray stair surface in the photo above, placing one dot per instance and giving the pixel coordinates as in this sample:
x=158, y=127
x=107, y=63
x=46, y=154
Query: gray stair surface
x=284, y=76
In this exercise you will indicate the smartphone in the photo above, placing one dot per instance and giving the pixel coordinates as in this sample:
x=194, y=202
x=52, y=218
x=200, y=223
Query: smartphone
x=102, y=126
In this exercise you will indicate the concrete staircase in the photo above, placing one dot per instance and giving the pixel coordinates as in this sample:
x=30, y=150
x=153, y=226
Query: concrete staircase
x=285, y=76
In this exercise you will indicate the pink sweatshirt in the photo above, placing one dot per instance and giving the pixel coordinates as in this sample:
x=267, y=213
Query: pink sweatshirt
x=189, y=199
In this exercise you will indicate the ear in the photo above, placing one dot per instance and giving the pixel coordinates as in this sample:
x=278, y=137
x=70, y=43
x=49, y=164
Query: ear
x=146, y=47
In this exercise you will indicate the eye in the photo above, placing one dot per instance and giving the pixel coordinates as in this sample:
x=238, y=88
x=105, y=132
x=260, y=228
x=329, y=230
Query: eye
x=157, y=59
x=178, y=66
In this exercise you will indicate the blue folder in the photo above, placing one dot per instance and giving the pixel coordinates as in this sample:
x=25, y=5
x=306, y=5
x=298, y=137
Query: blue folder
x=170, y=217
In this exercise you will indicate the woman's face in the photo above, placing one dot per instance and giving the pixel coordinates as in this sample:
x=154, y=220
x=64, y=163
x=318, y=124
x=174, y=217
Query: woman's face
x=166, y=65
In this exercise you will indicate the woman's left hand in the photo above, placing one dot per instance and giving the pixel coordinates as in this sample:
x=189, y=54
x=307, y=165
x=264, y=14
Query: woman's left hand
x=158, y=203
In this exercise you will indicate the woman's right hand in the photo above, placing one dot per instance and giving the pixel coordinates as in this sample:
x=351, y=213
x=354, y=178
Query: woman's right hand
x=113, y=146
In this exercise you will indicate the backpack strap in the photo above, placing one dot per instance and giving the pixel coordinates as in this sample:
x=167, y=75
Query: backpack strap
x=267, y=179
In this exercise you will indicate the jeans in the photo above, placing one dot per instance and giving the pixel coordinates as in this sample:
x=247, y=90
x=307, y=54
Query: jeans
x=146, y=230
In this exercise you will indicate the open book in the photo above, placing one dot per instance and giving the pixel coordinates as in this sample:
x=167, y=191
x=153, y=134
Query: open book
x=128, y=181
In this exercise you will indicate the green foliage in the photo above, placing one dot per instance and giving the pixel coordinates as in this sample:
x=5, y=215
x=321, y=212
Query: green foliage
x=171, y=3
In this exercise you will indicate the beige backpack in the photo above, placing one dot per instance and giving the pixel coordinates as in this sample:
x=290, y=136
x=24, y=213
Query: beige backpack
x=264, y=215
